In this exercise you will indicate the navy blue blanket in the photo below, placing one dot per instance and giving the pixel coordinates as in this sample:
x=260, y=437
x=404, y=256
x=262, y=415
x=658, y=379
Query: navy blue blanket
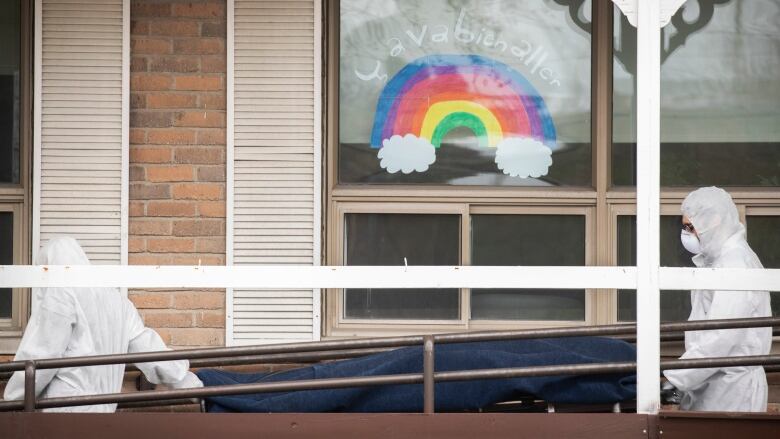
x=450, y=396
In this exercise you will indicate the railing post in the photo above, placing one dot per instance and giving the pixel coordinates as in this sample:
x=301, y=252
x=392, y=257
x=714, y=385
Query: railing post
x=29, y=386
x=428, y=380
x=648, y=129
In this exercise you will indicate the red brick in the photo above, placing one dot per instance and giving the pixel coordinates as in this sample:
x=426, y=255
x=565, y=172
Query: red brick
x=199, y=10
x=171, y=137
x=136, y=245
x=198, y=191
x=210, y=319
x=204, y=119
x=152, y=119
x=150, y=155
x=147, y=9
x=147, y=259
x=150, y=82
x=139, y=27
x=174, y=64
x=138, y=64
x=137, y=100
x=194, y=259
x=212, y=137
x=137, y=135
x=150, y=227
x=174, y=28
x=169, y=173
x=197, y=337
x=199, y=46
x=214, y=29
x=150, y=46
x=167, y=319
x=212, y=101
x=207, y=156
x=170, y=208
x=211, y=209
x=211, y=173
x=198, y=82
x=137, y=208
x=213, y=64
x=137, y=173
x=171, y=100
x=210, y=245
x=151, y=300
x=143, y=191
x=198, y=227
x=199, y=300
x=170, y=245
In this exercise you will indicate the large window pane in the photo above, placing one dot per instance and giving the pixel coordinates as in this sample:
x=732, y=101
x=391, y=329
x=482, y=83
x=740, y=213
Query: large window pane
x=720, y=90
x=468, y=92
x=10, y=62
x=6, y=258
x=675, y=305
x=388, y=239
x=763, y=234
x=531, y=240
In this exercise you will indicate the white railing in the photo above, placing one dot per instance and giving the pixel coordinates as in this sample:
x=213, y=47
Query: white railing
x=315, y=277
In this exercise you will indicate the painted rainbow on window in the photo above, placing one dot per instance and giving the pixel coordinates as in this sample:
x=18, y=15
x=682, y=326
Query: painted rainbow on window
x=435, y=94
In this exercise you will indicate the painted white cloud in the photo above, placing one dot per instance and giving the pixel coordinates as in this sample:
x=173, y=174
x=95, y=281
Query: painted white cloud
x=406, y=154
x=523, y=157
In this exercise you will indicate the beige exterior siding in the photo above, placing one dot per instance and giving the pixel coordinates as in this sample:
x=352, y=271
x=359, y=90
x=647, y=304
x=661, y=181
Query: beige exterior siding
x=81, y=145
x=275, y=194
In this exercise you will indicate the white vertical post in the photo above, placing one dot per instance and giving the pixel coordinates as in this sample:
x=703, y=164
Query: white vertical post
x=648, y=195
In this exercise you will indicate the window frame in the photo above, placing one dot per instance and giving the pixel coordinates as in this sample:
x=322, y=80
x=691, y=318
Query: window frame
x=17, y=198
x=336, y=325
x=605, y=199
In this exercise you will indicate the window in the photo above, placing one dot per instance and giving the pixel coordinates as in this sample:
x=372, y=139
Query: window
x=467, y=93
x=528, y=240
x=460, y=234
x=719, y=96
x=15, y=133
x=762, y=232
x=449, y=188
x=675, y=305
x=398, y=239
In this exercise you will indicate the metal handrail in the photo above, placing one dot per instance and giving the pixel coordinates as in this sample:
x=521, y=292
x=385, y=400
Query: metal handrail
x=381, y=380
x=355, y=347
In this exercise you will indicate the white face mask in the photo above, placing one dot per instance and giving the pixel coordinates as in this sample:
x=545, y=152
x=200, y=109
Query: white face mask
x=690, y=242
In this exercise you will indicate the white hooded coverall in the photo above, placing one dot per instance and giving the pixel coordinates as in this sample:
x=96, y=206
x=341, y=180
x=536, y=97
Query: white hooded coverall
x=723, y=245
x=74, y=322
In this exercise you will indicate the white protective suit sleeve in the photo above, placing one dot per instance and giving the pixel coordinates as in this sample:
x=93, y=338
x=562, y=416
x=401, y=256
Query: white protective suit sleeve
x=713, y=343
x=47, y=335
x=143, y=339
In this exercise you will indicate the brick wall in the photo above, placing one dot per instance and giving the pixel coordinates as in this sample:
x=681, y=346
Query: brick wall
x=177, y=159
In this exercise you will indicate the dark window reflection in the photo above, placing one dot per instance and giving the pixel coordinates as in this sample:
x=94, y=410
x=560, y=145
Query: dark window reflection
x=10, y=62
x=675, y=305
x=386, y=239
x=6, y=258
x=530, y=240
x=763, y=234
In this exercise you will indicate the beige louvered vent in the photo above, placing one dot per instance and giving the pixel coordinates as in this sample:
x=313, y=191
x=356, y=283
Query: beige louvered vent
x=274, y=163
x=80, y=143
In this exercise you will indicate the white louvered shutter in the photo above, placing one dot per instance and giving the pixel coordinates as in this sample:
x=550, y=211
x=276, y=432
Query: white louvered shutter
x=80, y=142
x=274, y=218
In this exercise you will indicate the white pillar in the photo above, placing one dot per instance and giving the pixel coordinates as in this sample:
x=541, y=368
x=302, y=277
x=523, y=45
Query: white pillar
x=647, y=215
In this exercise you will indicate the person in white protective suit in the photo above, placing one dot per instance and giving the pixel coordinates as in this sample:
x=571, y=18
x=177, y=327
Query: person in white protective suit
x=74, y=322
x=712, y=231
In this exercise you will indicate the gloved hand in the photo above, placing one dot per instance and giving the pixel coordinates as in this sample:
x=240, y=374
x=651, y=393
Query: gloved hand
x=670, y=394
x=189, y=381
